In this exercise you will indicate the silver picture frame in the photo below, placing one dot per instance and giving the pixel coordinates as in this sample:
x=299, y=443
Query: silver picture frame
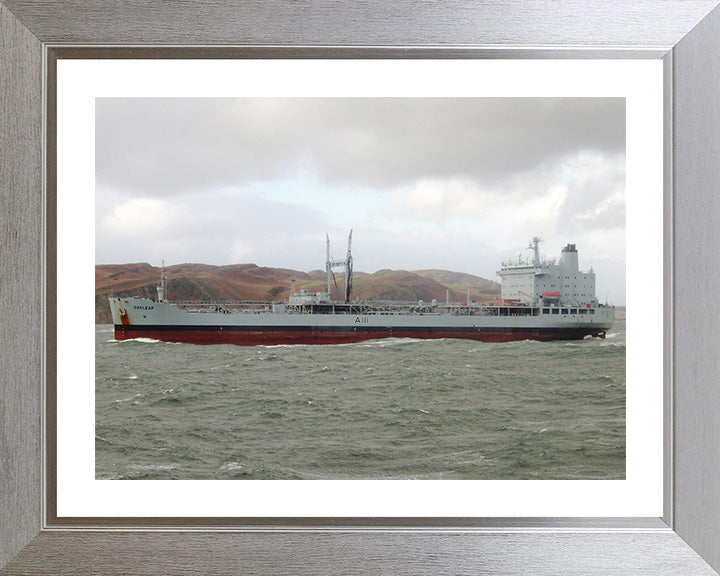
x=684, y=34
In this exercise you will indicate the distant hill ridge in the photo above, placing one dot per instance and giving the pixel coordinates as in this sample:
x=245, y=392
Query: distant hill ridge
x=204, y=282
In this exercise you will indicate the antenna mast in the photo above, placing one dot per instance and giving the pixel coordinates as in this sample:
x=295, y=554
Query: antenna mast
x=328, y=263
x=348, y=270
x=347, y=263
x=162, y=288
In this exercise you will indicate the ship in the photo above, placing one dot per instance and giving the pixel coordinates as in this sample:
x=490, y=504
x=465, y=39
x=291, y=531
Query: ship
x=541, y=299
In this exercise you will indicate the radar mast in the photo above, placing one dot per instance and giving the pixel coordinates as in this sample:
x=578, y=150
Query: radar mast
x=535, y=247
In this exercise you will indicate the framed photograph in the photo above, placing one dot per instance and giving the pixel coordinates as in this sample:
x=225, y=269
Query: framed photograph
x=624, y=111
x=439, y=386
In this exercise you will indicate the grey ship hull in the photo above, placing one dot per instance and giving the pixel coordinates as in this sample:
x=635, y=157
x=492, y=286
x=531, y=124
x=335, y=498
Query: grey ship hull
x=335, y=324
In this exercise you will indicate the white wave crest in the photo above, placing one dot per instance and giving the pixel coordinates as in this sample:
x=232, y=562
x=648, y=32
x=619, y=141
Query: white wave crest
x=142, y=340
x=151, y=467
x=386, y=342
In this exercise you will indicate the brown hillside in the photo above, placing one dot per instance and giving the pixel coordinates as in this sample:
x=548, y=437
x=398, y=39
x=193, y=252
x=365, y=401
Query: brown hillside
x=459, y=282
x=120, y=277
x=202, y=282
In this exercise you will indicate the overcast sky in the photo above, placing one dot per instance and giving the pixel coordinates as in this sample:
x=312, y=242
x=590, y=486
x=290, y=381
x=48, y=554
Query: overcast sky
x=458, y=184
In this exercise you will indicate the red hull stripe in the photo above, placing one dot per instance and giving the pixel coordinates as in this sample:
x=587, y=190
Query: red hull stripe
x=270, y=335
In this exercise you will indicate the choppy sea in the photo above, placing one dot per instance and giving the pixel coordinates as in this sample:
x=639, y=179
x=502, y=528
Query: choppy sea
x=382, y=409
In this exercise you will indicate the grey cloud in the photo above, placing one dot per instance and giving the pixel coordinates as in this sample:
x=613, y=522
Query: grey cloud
x=209, y=228
x=166, y=146
x=596, y=197
x=221, y=159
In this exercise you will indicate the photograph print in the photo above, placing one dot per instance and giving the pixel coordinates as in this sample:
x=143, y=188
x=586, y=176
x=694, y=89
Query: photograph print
x=360, y=288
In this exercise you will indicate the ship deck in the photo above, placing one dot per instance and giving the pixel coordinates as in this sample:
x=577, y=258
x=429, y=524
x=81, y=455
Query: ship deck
x=386, y=308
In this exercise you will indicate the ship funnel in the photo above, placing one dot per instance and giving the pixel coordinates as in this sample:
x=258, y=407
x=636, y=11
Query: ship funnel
x=569, y=258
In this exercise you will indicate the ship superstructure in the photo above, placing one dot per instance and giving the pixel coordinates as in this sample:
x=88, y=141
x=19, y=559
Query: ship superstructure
x=540, y=300
x=539, y=281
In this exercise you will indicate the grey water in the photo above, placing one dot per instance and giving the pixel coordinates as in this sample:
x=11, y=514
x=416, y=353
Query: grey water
x=382, y=409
